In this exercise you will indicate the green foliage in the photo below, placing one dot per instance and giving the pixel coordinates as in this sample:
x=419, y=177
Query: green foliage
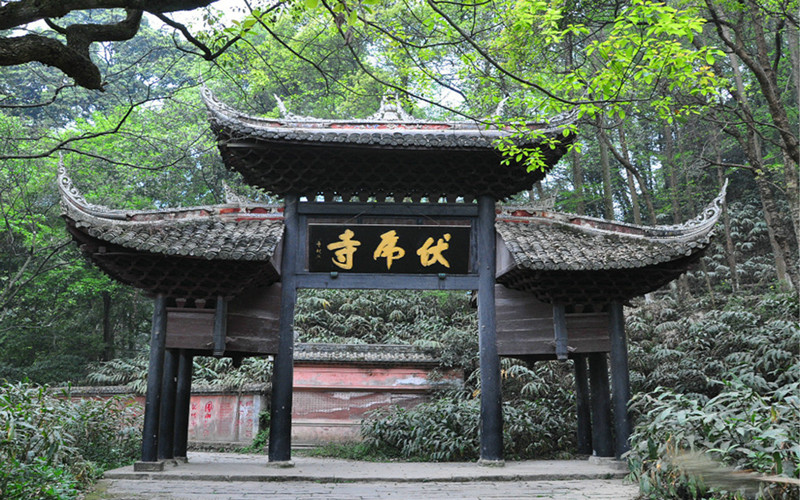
x=52, y=446
x=129, y=372
x=206, y=371
x=721, y=383
x=36, y=479
x=433, y=319
x=740, y=427
x=752, y=338
x=220, y=372
x=446, y=429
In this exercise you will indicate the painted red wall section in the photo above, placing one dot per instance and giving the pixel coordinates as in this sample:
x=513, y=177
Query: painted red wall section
x=328, y=404
x=331, y=399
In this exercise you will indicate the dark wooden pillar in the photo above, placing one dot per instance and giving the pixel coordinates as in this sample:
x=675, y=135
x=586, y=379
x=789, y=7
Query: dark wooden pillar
x=491, y=400
x=620, y=379
x=166, y=420
x=560, y=330
x=280, y=430
x=220, y=326
x=154, y=375
x=183, y=396
x=601, y=405
x=583, y=405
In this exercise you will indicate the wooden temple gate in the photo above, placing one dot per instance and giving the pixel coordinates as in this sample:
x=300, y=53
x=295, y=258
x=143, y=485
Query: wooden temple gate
x=388, y=202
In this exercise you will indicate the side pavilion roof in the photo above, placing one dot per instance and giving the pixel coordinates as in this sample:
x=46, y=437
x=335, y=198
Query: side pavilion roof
x=197, y=252
x=568, y=259
x=387, y=155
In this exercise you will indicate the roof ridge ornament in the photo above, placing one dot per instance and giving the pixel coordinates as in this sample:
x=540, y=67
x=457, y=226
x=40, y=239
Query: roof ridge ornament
x=71, y=195
x=391, y=112
x=547, y=204
x=706, y=218
x=703, y=223
x=498, y=111
x=286, y=114
x=231, y=197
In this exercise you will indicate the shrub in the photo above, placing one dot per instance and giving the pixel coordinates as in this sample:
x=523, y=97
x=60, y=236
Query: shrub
x=52, y=446
x=739, y=428
x=447, y=430
x=207, y=371
x=36, y=479
x=751, y=420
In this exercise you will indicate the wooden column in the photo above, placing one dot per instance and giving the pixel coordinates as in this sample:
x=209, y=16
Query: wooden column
x=620, y=379
x=491, y=437
x=560, y=331
x=583, y=405
x=601, y=405
x=166, y=420
x=220, y=326
x=280, y=430
x=183, y=396
x=154, y=374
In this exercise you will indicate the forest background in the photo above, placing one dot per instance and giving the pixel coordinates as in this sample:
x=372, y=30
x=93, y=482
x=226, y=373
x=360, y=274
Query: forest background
x=672, y=99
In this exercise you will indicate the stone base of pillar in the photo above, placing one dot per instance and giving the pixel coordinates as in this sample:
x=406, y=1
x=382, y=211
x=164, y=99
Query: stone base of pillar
x=610, y=462
x=280, y=464
x=149, y=466
x=491, y=463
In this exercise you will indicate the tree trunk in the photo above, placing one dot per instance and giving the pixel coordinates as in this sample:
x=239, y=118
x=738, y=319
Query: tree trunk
x=793, y=37
x=751, y=145
x=751, y=29
x=651, y=211
x=671, y=174
x=775, y=230
x=637, y=215
x=730, y=249
x=608, y=193
x=108, y=332
x=776, y=237
x=793, y=195
x=577, y=181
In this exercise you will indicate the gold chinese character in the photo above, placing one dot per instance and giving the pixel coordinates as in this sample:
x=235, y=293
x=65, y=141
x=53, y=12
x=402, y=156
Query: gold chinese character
x=429, y=255
x=388, y=248
x=345, y=248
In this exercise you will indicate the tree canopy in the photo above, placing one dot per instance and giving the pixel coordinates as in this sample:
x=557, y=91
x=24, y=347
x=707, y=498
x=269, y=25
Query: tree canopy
x=672, y=98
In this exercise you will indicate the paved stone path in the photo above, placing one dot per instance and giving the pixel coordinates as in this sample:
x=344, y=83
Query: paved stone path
x=224, y=476
x=599, y=489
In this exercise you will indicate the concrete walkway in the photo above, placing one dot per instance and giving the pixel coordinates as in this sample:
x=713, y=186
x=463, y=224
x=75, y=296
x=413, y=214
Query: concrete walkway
x=234, y=476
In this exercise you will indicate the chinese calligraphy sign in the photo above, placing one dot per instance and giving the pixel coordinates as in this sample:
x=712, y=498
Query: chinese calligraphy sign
x=388, y=249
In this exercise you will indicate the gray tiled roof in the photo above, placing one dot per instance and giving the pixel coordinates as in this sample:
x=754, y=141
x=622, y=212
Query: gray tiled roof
x=372, y=131
x=381, y=158
x=212, y=233
x=363, y=353
x=554, y=241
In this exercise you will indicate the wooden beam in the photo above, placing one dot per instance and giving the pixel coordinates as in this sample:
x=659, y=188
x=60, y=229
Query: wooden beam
x=425, y=210
x=220, y=326
x=525, y=327
x=359, y=281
